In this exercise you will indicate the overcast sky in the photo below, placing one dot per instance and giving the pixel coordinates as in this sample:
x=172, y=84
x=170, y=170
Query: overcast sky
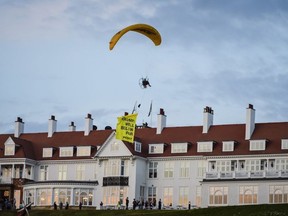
x=226, y=54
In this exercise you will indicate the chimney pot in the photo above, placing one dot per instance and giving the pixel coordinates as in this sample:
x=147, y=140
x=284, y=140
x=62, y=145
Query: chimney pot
x=126, y=113
x=89, y=115
x=162, y=111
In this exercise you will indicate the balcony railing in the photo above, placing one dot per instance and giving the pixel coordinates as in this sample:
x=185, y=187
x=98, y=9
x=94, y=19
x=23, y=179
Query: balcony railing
x=246, y=174
x=116, y=181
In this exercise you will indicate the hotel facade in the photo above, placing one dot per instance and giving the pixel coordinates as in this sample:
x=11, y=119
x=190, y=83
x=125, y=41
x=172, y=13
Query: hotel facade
x=207, y=165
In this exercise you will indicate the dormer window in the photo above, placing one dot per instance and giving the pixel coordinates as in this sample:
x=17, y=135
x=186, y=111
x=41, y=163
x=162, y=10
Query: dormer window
x=137, y=146
x=257, y=145
x=156, y=148
x=66, y=151
x=10, y=147
x=47, y=152
x=206, y=146
x=228, y=146
x=179, y=147
x=284, y=144
x=83, y=151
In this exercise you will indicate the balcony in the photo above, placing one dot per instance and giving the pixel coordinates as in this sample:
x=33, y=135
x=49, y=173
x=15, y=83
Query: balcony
x=116, y=181
x=246, y=174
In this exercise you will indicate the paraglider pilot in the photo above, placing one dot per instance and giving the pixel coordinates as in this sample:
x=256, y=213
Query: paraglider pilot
x=145, y=83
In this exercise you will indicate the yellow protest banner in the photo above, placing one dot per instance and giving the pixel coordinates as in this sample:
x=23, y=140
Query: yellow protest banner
x=125, y=128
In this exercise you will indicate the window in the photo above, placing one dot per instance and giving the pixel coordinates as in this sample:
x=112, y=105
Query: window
x=83, y=151
x=29, y=196
x=218, y=196
x=168, y=169
x=253, y=165
x=198, y=200
x=183, y=196
x=228, y=146
x=85, y=196
x=153, y=169
x=111, y=195
x=152, y=195
x=66, y=151
x=184, y=169
x=284, y=144
x=205, y=146
x=168, y=196
x=9, y=149
x=156, y=148
x=281, y=164
x=278, y=194
x=116, y=167
x=223, y=166
x=201, y=168
x=248, y=194
x=179, y=147
x=47, y=152
x=137, y=146
x=44, y=196
x=43, y=173
x=80, y=172
x=62, y=172
x=62, y=195
x=115, y=146
x=257, y=145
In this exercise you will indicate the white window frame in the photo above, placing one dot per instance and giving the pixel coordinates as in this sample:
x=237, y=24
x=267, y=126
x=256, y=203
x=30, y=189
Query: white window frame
x=137, y=146
x=284, y=144
x=66, y=151
x=83, y=151
x=168, y=169
x=47, y=152
x=228, y=146
x=179, y=147
x=257, y=145
x=9, y=149
x=205, y=146
x=156, y=148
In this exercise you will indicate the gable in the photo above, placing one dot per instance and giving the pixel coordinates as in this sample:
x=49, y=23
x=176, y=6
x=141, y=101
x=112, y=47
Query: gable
x=113, y=147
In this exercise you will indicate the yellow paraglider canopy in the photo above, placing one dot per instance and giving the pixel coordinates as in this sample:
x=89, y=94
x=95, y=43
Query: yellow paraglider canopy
x=144, y=29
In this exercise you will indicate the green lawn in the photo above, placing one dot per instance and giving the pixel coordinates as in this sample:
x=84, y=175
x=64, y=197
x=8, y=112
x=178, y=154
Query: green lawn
x=258, y=210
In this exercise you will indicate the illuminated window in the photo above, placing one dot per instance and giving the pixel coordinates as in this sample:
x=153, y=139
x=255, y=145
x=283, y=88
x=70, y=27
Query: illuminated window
x=218, y=196
x=278, y=194
x=183, y=196
x=248, y=194
x=168, y=196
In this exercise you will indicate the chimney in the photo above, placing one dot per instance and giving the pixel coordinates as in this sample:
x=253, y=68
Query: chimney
x=19, y=127
x=161, y=121
x=52, y=126
x=250, y=122
x=207, y=119
x=72, y=127
x=88, y=124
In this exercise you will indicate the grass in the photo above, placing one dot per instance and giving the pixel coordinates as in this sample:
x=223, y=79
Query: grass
x=257, y=210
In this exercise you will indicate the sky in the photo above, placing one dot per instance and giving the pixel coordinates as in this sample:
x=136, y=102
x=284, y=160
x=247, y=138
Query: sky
x=225, y=54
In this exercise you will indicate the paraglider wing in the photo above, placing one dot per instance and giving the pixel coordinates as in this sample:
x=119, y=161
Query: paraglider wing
x=144, y=29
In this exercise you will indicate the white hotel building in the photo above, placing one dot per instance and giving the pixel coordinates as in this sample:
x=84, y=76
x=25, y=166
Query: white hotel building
x=207, y=165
